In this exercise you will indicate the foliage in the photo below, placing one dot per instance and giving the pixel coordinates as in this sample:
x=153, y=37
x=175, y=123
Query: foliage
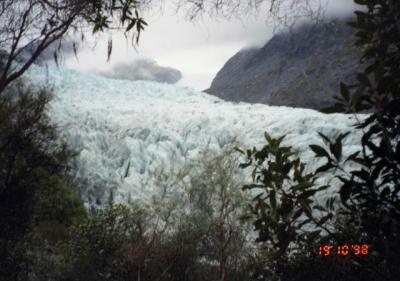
x=34, y=197
x=370, y=192
x=285, y=13
x=203, y=205
x=284, y=205
x=96, y=249
x=32, y=26
x=29, y=146
x=215, y=192
x=56, y=208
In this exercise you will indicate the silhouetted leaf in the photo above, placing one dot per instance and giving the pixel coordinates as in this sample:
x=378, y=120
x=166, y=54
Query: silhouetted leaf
x=345, y=192
x=313, y=235
x=324, y=137
x=319, y=151
x=239, y=150
x=324, y=168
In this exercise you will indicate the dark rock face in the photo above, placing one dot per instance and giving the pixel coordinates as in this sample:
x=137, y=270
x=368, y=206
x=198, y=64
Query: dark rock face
x=299, y=69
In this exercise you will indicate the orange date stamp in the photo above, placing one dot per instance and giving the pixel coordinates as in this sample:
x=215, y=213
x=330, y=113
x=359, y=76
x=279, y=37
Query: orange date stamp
x=343, y=250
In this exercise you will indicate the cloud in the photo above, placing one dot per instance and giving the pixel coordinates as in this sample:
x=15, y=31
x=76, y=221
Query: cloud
x=199, y=50
x=341, y=8
x=143, y=69
x=64, y=49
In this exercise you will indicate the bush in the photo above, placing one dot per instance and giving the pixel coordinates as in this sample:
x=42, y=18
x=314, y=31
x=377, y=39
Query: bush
x=202, y=238
x=56, y=207
x=97, y=248
x=218, y=204
x=35, y=200
x=29, y=144
x=369, y=194
x=206, y=224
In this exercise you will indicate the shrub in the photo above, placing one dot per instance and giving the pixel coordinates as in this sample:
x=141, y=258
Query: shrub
x=35, y=200
x=369, y=194
x=97, y=248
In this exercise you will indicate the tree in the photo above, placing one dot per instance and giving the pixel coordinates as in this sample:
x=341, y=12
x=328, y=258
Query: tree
x=285, y=12
x=36, y=24
x=31, y=26
x=28, y=146
x=369, y=193
x=97, y=248
x=216, y=207
x=34, y=195
x=202, y=205
x=284, y=208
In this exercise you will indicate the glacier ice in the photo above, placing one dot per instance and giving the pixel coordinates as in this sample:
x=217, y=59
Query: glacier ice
x=127, y=131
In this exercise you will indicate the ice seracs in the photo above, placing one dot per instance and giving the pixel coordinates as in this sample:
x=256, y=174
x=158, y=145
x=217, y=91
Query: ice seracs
x=127, y=131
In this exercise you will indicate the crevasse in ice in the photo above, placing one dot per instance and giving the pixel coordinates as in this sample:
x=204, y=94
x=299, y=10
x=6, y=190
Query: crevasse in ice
x=127, y=131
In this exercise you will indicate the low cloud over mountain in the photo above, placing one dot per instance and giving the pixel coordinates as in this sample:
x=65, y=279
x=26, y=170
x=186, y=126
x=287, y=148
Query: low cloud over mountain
x=143, y=69
x=299, y=69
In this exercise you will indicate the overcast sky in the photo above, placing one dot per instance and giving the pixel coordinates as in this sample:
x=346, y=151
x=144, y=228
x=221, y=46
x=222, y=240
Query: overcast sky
x=197, y=49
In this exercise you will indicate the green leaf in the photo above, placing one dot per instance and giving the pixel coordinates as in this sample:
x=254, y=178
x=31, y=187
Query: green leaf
x=245, y=165
x=313, y=235
x=253, y=174
x=248, y=152
x=279, y=140
x=361, y=174
x=306, y=208
x=272, y=199
x=286, y=168
x=345, y=192
x=325, y=138
x=319, y=151
x=297, y=214
x=238, y=150
x=324, y=168
x=131, y=25
x=319, y=208
x=109, y=49
x=325, y=219
x=252, y=186
x=352, y=157
x=337, y=150
x=307, y=193
x=330, y=202
x=268, y=137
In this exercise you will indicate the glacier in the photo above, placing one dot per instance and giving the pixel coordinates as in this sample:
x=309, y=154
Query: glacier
x=126, y=131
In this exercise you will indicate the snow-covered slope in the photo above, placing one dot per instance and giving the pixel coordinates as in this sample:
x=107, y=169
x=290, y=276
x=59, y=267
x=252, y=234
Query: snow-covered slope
x=126, y=131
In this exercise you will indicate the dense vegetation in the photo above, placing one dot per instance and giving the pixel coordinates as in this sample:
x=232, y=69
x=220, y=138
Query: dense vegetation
x=369, y=207
x=35, y=199
x=207, y=233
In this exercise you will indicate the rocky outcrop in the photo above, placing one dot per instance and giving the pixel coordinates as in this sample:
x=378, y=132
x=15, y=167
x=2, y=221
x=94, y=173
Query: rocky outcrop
x=301, y=68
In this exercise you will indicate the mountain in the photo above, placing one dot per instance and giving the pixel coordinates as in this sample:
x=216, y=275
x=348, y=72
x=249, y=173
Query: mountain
x=126, y=132
x=301, y=68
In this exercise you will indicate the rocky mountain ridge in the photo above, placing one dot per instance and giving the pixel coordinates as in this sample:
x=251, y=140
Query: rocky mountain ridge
x=302, y=68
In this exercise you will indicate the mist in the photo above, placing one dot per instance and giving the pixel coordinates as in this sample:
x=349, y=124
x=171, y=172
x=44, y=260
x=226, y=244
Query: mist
x=197, y=49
